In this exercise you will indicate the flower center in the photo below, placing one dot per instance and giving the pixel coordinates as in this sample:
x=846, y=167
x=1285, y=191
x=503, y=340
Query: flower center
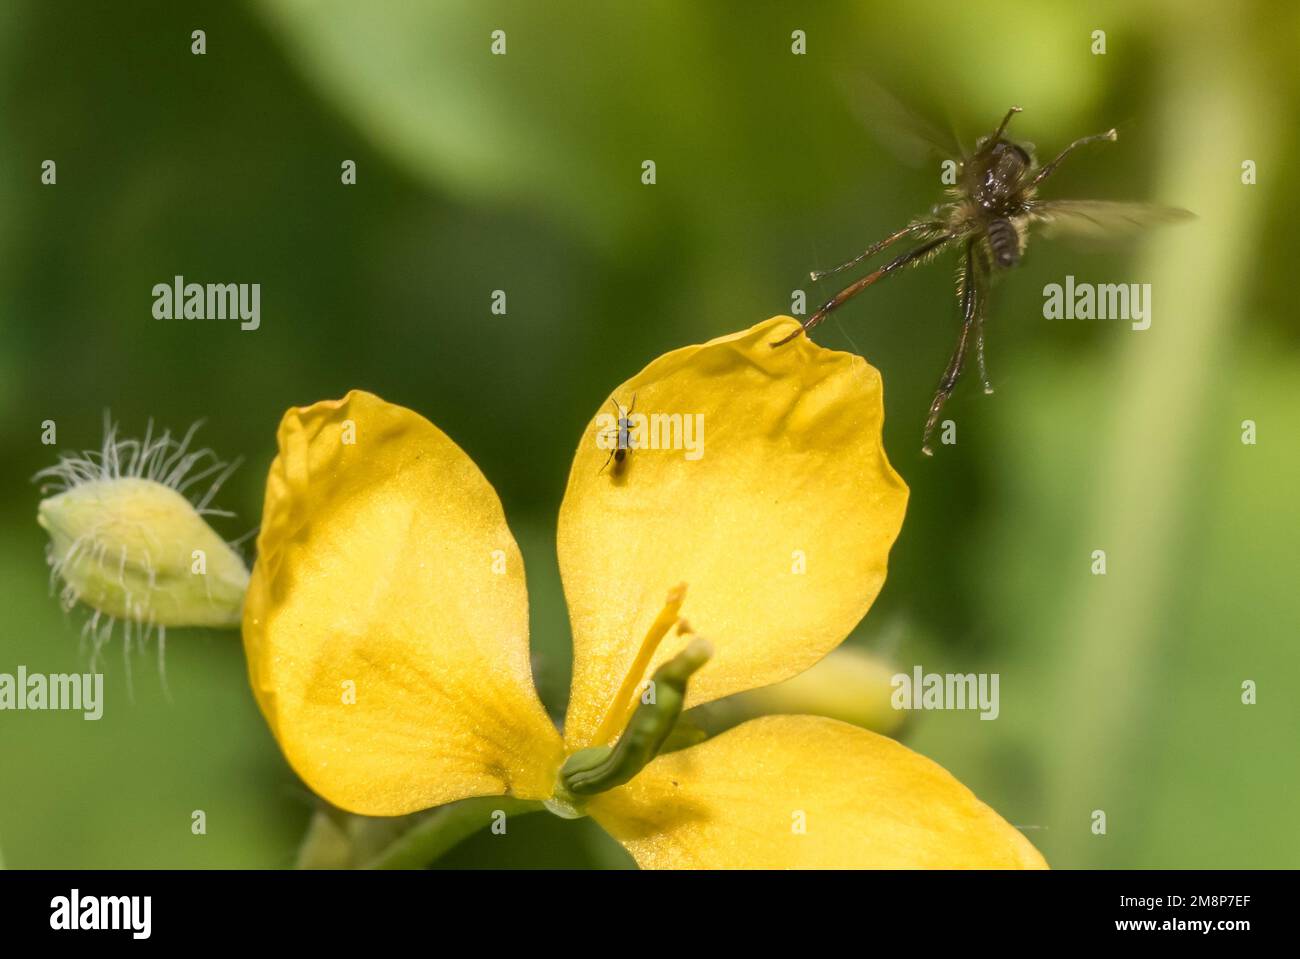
x=645, y=721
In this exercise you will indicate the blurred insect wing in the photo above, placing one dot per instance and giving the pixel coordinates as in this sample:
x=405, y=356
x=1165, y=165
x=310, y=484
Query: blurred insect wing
x=1101, y=219
x=897, y=127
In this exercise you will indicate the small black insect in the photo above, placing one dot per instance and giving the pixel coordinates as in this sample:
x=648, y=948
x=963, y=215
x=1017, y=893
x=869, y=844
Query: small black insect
x=988, y=213
x=620, y=436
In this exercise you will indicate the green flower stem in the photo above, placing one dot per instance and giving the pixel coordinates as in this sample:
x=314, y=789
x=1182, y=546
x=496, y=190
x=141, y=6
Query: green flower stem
x=442, y=828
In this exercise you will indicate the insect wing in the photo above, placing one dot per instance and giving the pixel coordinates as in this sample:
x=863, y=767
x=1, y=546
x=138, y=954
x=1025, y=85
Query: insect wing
x=1101, y=219
x=895, y=126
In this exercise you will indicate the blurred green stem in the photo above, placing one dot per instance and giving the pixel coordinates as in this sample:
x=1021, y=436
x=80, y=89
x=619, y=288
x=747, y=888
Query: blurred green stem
x=341, y=840
x=444, y=827
x=1164, y=392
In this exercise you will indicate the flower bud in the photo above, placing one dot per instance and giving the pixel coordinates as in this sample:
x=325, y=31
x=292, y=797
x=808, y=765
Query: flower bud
x=849, y=684
x=125, y=541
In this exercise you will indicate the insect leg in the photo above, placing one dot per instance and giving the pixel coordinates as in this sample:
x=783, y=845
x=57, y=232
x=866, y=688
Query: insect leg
x=915, y=255
x=978, y=270
x=1050, y=168
x=1005, y=120
x=948, y=381
x=979, y=355
x=911, y=228
x=605, y=434
x=607, y=459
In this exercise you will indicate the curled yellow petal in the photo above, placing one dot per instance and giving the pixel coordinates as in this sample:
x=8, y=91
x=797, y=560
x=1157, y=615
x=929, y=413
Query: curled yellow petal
x=755, y=476
x=386, y=623
x=794, y=792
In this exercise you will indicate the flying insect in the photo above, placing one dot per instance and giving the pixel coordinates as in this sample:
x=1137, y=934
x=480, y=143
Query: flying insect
x=988, y=214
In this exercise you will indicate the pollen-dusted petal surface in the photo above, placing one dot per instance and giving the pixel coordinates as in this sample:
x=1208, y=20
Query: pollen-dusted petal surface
x=386, y=623
x=806, y=792
x=779, y=517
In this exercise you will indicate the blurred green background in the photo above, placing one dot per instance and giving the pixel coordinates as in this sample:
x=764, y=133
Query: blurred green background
x=522, y=173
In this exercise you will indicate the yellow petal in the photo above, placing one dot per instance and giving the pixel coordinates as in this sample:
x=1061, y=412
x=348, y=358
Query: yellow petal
x=793, y=792
x=779, y=523
x=377, y=581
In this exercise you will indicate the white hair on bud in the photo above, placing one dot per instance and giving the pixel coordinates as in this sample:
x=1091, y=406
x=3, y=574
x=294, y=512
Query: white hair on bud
x=164, y=459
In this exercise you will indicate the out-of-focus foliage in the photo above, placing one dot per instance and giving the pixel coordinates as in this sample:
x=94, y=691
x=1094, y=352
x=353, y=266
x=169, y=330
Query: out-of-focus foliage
x=523, y=173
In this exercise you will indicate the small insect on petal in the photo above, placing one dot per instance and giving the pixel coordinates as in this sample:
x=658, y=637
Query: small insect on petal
x=127, y=543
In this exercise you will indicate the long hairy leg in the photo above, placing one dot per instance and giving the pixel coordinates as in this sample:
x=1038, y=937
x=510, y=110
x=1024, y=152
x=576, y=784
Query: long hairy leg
x=1005, y=120
x=981, y=266
x=921, y=226
x=1050, y=168
x=913, y=256
x=972, y=304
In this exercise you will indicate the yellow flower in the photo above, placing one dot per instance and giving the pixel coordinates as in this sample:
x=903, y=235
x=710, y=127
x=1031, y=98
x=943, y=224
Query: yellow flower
x=386, y=622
